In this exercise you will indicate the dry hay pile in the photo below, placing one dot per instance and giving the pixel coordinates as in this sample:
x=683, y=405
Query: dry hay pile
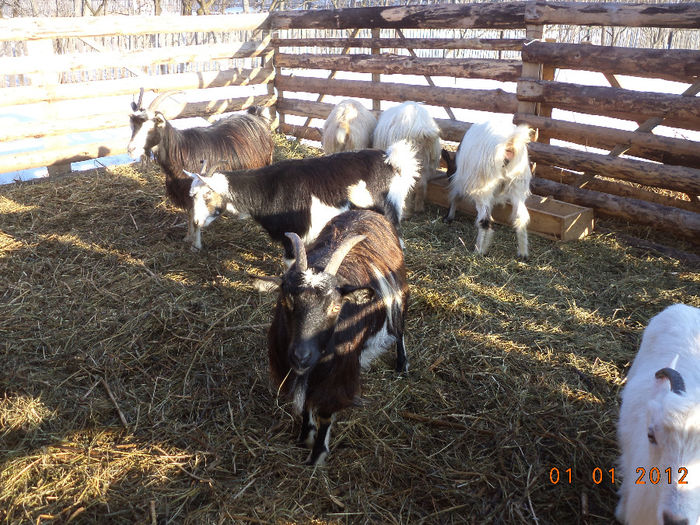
x=134, y=384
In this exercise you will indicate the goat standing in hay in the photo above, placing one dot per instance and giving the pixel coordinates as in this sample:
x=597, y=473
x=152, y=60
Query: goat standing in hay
x=237, y=142
x=410, y=121
x=302, y=195
x=340, y=305
x=492, y=167
x=659, y=427
x=349, y=127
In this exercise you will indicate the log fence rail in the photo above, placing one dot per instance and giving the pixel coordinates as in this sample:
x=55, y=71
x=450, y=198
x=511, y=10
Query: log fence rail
x=644, y=177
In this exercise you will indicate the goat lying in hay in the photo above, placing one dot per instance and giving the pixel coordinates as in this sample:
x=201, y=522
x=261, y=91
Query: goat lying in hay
x=237, y=142
x=302, y=195
x=340, y=305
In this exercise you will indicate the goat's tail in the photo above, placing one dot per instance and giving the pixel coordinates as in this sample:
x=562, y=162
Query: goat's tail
x=403, y=159
x=342, y=134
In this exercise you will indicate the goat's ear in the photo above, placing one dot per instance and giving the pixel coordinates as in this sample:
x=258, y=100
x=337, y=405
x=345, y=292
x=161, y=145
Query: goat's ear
x=159, y=118
x=357, y=295
x=263, y=283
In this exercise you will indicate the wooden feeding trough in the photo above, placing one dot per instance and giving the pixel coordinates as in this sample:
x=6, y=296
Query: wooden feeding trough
x=548, y=217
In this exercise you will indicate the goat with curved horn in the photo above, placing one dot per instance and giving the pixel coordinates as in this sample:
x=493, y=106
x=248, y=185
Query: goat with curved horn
x=299, y=251
x=328, y=324
x=674, y=377
x=339, y=254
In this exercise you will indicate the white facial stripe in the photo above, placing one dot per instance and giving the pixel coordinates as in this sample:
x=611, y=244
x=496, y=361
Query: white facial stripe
x=313, y=279
x=137, y=145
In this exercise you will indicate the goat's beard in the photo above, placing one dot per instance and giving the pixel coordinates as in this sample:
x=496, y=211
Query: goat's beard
x=299, y=392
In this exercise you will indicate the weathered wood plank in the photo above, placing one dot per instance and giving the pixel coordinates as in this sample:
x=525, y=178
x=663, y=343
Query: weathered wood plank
x=494, y=100
x=677, y=221
x=679, y=111
x=114, y=25
x=92, y=120
x=504, y=15
x=680, y=15
x=680, y=65
x=646, y=145
x=614, y=188
x=389, y=64
x=147, y=57
x=124, y=86
x=493, y=44
x=676, y=178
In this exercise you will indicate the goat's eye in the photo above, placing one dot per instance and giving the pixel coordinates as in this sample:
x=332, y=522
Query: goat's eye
x=650, y=436
x=335, y=308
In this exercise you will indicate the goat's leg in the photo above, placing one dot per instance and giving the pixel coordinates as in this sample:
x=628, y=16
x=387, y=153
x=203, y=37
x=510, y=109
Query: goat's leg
x=320, y=450
x=521, y=217
x=421, y=188
x=453, y=209
x=484, y=224
x=307, y=435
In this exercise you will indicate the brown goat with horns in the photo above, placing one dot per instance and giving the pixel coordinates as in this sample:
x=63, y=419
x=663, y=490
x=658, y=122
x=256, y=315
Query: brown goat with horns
x=340, y=305
x=241, y=141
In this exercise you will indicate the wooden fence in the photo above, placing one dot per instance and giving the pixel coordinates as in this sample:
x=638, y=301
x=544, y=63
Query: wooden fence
x=643, y=177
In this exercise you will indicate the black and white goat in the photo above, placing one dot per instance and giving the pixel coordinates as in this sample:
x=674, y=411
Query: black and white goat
x=302, y=195
x=340, y=305
x=240, y=141
x=492, y=167
x=659, y=426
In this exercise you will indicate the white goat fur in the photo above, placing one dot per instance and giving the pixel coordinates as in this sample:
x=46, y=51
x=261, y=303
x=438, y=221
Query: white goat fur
x=493, y=168
x=349, y=127
x=672, y=339
x=410, y=121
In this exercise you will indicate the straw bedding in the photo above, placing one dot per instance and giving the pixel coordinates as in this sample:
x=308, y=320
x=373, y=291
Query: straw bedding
x=134, y=385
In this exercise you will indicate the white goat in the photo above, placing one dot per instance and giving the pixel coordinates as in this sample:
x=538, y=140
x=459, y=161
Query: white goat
x=410, y=121
x=492, y=167
x=659, y=427
x=349, y=127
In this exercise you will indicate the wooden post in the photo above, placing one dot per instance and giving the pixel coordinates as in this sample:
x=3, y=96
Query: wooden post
x=376, y=77
x=268, y=60
x=531, y=70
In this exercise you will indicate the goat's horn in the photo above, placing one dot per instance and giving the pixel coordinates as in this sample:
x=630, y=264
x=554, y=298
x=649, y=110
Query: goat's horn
x=340, y=253
x=138, y=104
x=156, y=101
x=299, y=251
x=674, y=377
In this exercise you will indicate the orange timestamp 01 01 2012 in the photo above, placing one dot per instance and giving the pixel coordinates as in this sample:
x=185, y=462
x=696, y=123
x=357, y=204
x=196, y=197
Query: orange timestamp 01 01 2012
x=653, y=475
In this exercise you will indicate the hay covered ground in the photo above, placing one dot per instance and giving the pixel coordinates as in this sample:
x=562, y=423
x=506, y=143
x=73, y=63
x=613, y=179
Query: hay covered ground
x=134, y=384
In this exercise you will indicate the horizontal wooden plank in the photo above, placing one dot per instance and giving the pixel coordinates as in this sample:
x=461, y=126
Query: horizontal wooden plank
x=124, y=86
x=493, y=44
x=389, y=64
x=676, y=178
x=677, y=110
x=680, y=65
x=301, y=132
x=495, y=100
x=500, y=15
x=63, y=155
x=613, y=187
x=114, y=25
x=92, y=122
x=146, y=57
x=674, y=220
x=646, y=145
x=548, y=217
x=679, y=15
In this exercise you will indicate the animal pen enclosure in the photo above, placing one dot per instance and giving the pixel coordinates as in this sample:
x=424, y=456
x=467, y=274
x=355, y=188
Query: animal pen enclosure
x=134, y=386
x=644, y=177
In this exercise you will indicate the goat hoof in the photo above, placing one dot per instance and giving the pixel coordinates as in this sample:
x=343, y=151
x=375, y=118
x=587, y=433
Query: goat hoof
x=195, y=249
x=523, y=258
x=447, y=220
